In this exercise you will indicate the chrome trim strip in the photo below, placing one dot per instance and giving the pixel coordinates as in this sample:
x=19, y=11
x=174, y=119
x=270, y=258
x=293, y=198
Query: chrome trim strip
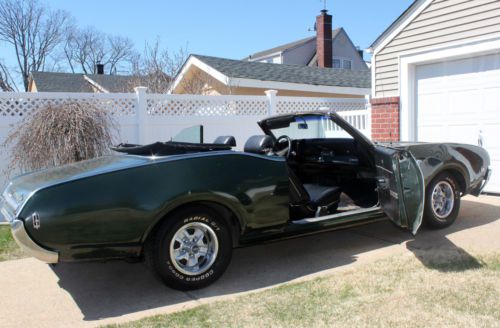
x=420, y=214
x=29, y=246
x=338, y=215
x=153, y=160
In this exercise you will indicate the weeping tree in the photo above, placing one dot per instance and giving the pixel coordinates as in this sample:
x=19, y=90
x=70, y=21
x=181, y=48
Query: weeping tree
x=60, y=134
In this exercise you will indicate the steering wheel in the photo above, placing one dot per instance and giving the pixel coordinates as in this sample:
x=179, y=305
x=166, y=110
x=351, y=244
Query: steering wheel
x=282, y=146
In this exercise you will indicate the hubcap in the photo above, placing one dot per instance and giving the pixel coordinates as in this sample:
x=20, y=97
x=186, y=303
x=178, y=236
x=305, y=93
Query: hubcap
x=443, y=199
x=194, y=248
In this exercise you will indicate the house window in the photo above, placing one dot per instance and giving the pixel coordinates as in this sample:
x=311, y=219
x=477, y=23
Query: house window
x=347, y=64
x=342, y=63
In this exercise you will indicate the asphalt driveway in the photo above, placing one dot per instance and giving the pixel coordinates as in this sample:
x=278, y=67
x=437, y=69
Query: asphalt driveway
x=34, y=294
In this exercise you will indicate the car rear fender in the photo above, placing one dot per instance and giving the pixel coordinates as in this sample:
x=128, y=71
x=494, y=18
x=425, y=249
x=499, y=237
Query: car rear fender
x=228, y=206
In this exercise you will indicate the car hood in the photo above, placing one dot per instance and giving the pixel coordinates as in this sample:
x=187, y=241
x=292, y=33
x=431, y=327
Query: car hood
x=22, y=186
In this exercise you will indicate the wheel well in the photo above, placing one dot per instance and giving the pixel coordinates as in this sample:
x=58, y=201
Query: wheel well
x=459, y=177
x=228, y=215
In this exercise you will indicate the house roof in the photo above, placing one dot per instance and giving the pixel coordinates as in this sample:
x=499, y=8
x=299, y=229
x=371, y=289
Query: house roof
x=396, y=23
x=288, y=73
x=70, y=82
x=288, y=46
x=60, y=82
x=115, y=83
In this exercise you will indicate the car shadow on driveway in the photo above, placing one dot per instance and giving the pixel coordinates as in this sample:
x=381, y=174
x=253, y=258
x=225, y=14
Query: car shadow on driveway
x=103, y=290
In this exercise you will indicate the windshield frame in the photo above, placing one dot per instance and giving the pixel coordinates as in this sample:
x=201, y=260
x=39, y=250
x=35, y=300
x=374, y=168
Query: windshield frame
x=268, y=124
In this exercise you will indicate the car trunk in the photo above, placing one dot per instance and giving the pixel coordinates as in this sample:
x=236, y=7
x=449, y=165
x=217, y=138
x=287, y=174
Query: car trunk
x=22, y=186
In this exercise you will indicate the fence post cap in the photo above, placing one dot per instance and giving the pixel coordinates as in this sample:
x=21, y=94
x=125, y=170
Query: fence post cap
x=140, y=89
x=271, y=92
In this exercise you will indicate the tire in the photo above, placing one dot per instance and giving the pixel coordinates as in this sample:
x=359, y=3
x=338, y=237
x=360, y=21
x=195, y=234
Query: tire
x=177, y=236
x=444, y=211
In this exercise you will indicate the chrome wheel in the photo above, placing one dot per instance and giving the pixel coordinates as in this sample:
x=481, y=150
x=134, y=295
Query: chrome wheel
x=194, y=248
x=443, y=199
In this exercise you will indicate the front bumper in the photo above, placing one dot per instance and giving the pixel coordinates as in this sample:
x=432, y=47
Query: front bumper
x=8, y=209
x=486, y=180
x=29, y=246
x=26, y=243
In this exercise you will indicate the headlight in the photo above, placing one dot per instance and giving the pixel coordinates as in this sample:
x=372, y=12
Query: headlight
x=10, y=202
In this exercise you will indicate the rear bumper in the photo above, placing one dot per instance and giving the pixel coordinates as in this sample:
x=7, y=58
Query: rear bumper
x=29, y=246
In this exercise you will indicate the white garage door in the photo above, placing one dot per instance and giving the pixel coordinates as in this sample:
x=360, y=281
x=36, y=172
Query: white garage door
x=459, y=101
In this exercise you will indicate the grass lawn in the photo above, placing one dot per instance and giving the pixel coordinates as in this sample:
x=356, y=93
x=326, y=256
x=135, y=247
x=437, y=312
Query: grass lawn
x=8, y=247
x=452, y=289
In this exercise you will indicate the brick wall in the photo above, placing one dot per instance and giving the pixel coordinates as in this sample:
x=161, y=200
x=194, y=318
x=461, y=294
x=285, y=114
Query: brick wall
x=385, y=119
x=324, y=48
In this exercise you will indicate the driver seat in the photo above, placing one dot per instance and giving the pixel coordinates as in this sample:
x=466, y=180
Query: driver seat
x=311, y=200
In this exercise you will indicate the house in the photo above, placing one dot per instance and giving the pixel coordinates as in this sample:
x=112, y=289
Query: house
x=436, y=76
x=305, y=69
x=220, y=76
x=71, y=82
x=303, y=52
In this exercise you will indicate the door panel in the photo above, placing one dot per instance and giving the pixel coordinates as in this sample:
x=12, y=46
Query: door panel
x=400, y=187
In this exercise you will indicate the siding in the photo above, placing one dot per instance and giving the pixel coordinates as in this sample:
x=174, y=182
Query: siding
x=344, y=48
x=441, y=23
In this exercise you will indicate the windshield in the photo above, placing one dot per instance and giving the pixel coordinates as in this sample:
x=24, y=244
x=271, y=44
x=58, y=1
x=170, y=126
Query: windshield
x=309, y=127
x=193, y=134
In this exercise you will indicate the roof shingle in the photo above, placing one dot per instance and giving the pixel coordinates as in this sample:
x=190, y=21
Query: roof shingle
x=74, y=82
x=60, y=82
x=289, y=73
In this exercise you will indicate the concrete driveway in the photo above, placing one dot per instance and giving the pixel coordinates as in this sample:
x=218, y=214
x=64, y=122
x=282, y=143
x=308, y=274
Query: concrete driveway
x=34, y=294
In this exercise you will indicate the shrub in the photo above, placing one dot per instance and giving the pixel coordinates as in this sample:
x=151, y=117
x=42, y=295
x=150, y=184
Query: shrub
x=60, y=134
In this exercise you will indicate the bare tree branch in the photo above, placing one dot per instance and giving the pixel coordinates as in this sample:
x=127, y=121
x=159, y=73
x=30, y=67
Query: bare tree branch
x=84, y=48
x=6, y=81
x=156, y=67
x=33, y=31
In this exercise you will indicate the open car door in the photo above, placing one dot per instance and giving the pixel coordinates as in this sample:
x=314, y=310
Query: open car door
x=401, y=187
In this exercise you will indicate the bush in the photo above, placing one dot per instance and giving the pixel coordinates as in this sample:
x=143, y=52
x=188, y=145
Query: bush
x=60, y=134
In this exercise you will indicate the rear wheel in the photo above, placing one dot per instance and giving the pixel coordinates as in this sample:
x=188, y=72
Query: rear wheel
x=442, y=201
x=191, y=249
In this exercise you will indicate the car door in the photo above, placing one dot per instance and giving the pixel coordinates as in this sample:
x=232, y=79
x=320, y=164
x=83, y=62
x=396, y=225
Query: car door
x=400, y=187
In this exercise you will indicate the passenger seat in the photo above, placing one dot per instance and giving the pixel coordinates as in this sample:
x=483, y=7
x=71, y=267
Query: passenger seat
x=225, y=140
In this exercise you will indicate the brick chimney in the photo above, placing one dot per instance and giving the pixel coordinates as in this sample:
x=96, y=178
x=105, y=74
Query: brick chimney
x=99, y=68
x=324, y=39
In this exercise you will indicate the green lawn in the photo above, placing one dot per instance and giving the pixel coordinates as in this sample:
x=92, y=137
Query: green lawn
x=452, y=289
x=8, y=247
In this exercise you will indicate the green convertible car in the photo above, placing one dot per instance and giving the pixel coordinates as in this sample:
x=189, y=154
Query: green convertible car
x=184, y=206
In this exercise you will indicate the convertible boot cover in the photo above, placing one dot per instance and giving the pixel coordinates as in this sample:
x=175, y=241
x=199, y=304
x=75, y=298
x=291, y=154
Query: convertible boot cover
x=168, y=148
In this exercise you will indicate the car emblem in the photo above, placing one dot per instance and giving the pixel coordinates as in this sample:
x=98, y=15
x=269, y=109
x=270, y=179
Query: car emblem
x=36, y=220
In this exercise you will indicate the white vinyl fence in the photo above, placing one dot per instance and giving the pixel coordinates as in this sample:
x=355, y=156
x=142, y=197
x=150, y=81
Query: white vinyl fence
x=145, y=118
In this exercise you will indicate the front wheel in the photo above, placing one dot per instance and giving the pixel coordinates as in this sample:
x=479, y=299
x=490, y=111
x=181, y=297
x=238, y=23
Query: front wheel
x=442, y=201
x=191, y=249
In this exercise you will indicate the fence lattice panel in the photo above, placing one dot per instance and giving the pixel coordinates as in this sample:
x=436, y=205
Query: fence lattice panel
x=171, y=105
x=17, y=105
x=299, y=104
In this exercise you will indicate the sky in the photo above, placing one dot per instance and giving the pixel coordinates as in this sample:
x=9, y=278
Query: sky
x=223, y=28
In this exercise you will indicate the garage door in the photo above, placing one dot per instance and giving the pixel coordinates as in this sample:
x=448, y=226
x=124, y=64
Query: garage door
x=459, y=101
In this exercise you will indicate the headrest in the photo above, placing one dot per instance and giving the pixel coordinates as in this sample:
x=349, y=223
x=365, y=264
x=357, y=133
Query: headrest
x=259, y=144
x=225, y=140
